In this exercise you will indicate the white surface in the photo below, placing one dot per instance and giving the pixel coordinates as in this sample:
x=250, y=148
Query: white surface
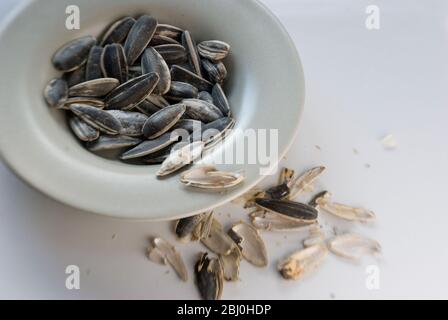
x=361, y=85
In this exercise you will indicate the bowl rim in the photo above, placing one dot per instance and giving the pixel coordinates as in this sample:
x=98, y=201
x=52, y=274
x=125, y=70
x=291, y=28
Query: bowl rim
x=9, y=18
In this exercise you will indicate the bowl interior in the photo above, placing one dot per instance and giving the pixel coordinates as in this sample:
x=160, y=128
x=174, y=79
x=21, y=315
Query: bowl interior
x=265, y=89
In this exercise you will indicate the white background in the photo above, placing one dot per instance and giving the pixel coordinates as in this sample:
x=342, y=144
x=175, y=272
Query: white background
x=361, y=85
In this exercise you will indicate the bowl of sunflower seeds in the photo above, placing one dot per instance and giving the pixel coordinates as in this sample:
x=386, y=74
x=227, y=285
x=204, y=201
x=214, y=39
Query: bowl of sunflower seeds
x=147, y=109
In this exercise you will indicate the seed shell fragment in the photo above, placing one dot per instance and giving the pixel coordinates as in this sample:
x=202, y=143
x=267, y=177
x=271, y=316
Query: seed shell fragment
x=353, y=246
x=162, y=252
x=302, y=262
x=208, y=177
x=209, y=277
x=180, y=158
x=250, y=243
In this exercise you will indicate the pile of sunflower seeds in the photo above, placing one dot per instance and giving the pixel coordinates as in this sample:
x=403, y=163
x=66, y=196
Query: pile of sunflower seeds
x=273, y=210
x=144, y=88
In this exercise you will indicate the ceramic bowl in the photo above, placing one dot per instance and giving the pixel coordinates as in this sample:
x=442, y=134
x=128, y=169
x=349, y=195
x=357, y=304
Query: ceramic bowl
x=265, y=89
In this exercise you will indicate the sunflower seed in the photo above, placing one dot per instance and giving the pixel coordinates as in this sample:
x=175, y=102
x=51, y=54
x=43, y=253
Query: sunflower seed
x=202, y=110
x=139, y=37
x=216, y=72
x=208, y=177
x=131, y=122
x=65, y=104
x=180, y=158
x=192, y=52
x=163, y=120
x=73, y=54
x=206, y=96
x=131, y=93
x=181, y=74
x=56, y=92
x=152, y=104
x=249, y=242
x=189, y=125
x=290, y=209
x=158, y=40
x=169, y=31
x=209, y=277
x=220, y=99
x=302, y=262
x=213, y=50
x=162, y=252
x=152, y=61
x=113, y=62
x=181, y=90
x=97, y=118
x=231, y=264
x=76, y=76
x=112, y=142
x=82, y=130
x=353, y=246
x=118, y=31
x=93, y=88
x=134, y=71
x=217, y=130
x=93, y=65
x=172, y=53
x=151, y=146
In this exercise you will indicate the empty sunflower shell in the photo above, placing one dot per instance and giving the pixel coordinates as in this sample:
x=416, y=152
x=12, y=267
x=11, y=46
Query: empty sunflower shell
x=353, y=246
x=209, y=177
x=162, y=252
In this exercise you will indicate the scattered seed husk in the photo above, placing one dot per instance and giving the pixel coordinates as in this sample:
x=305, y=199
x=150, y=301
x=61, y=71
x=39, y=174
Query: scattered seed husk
x=113, y=62
x=202, y=110
x=163, y=120
x=268, y=221
x=93, y=88
x=315, y=236
x=304, y=182
x=112, y=142
x=247, y=200
x=202, y=230
x=97, y=118
x=217, y=240
x=216, y=72
x=302, y=262
x=73, y=54
x=82, y=130
x=286, y=176
x=56, y=92
x=131, y=93
x=161, y=251
x=184, y=227
x=93, y=65
x=231, y=264
x=131, y=122
x=180, y=158
x=206, y=96
x=220, y=99
x=192, y=52
x=139, y=37
x=151, y=146
x=213, y=50
x=208, y=177
x=118, y=31
x=353, y=246
x=172, y=53
x=65, y=104
x=181, y=74
x=344, y=211
x=280, y=191
x=209, y=277
x=250, y=243
x=181, y=90
x=152, y=61
x=289, y=209
x=319, y=197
